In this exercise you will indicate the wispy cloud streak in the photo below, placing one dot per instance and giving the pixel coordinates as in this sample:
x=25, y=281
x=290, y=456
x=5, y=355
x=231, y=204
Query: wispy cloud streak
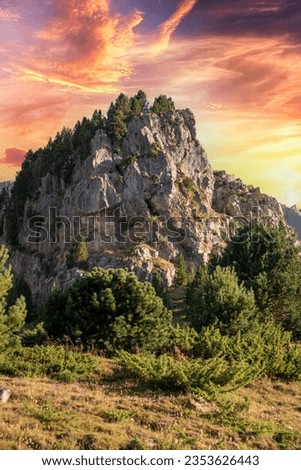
x=167, y=29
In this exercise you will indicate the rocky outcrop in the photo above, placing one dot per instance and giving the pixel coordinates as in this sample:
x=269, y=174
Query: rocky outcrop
x=6, y=186
x=137, y=205
x=235, y=199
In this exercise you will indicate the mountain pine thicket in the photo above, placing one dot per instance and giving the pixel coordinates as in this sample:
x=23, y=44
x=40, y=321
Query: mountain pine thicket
x=218, y=297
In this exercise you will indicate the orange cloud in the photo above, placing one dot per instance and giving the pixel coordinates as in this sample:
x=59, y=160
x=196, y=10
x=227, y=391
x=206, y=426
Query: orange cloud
x=169, y=26
x=13, y=156
x=29, y=116
x=86, y=47
x=246, y=76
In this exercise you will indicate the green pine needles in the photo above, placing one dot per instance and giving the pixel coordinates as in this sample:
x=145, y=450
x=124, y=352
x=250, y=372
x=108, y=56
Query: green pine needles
x=218, y=296
x=268, y=263
x=113, y=308
x=220, y=363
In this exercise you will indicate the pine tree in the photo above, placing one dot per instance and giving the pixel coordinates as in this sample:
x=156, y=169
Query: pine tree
x=12, y=317
x=158, y=285
x=219, y=298
x=84, y=131
x=181, y=278
x=78, y=255
x=137, y=103
x=268, y=263
x=162, y=105
x=117, y=115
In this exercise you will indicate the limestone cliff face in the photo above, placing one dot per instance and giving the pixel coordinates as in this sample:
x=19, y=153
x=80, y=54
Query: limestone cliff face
x=138, y=205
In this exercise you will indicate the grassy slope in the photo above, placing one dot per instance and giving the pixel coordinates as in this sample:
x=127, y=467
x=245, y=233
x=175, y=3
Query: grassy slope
x=117, y=414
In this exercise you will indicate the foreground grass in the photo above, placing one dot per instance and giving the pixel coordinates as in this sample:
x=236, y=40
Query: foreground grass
x=113, y=412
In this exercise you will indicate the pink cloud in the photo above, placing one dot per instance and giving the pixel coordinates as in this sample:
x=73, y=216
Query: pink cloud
x=13, y=156
x=8, y=15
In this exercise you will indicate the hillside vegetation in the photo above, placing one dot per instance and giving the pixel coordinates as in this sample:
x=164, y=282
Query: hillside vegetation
x=227, y=376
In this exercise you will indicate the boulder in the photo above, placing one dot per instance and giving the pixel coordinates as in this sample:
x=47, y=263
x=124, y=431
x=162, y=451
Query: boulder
x=5, y=394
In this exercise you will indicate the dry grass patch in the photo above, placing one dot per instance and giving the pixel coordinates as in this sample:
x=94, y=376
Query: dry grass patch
x=117, y=413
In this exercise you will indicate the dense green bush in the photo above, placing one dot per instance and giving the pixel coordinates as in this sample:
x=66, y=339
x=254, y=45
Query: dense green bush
x=183, y=340
x=218, y=297
x=33, y=335
x=185, y=375
x=113, y=308
x=55, y=362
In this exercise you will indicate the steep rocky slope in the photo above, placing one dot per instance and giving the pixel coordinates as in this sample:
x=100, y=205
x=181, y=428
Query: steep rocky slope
x=138, y=205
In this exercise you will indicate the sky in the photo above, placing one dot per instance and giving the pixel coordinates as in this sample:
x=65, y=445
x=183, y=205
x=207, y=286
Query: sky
x=235, y=63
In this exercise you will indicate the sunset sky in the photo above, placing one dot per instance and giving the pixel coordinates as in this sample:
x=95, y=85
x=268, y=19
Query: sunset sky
x=235, y=63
